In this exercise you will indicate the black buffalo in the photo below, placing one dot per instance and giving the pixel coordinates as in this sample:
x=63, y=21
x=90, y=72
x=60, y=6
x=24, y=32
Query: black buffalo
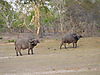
x=25, y=44
x=70, y=38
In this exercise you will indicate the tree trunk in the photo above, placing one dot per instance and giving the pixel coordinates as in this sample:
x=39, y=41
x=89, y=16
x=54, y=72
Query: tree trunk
x=37, y=19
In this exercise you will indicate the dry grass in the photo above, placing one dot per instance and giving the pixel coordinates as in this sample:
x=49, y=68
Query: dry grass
x=48, y=57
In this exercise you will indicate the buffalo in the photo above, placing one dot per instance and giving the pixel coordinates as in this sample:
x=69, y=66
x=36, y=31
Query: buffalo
x=25, y=43
x=70, y=38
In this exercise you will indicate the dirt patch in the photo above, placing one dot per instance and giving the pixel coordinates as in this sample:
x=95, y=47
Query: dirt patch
x=50, y=60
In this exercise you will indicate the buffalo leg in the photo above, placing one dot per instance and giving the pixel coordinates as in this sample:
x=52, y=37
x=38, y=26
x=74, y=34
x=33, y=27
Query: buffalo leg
x=31, y=51
x=20, y=52
x=73, y=45
x=16, y=53
x=28, y=51
x=61, y=45
x=65, y=45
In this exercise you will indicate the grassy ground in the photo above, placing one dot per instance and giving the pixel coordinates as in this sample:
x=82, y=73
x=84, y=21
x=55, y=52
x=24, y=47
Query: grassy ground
x=50, y=60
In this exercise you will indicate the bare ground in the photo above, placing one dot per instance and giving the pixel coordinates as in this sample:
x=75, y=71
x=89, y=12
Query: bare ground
x=50, y=60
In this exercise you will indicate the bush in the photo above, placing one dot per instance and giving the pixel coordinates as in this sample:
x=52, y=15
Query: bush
x=11, y=41
x=1, y=37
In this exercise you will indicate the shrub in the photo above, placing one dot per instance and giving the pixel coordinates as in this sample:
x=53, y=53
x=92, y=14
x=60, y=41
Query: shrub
x=1, y=37
x=11, y=41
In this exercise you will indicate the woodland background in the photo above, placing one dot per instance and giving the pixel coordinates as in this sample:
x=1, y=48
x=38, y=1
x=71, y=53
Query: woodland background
x=50, y=17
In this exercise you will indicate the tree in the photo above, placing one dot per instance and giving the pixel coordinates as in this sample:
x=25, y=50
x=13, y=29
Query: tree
x=36, y=5
x=7, y=14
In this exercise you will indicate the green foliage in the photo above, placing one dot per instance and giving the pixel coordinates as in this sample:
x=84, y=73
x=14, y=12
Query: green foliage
x=48, y=19
x=5, y=4
x=29, y=18
x=1, y=21
x=17, y=23
x=1, y=28
x=88, y=5
x=11, y=41
x=44, y=9
x=32, y=14
x=1, y=37
x=6, y=14
x=69, y=2
x=31, y=27
x=5, y=7
x=47, y=16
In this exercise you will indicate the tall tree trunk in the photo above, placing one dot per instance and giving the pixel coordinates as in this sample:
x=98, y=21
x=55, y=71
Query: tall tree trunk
x=37, y=19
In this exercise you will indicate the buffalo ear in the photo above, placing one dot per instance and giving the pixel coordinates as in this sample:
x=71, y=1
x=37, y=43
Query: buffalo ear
x=81, y=36
x=74, y=36
x=35, y=41
x=38, y=41
x=30, y=40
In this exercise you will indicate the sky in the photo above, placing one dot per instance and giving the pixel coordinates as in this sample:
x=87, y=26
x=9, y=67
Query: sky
x=10, y=0
x=15, y=6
